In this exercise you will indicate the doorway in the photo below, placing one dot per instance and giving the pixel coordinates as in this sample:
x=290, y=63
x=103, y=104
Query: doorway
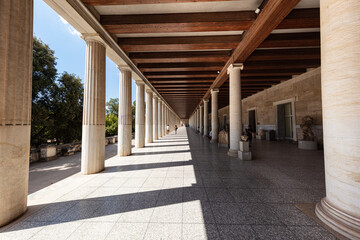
x=284, y=121
x=252, y=120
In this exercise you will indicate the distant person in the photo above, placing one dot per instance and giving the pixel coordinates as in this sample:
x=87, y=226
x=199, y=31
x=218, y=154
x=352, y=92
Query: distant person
x=249, y=133
x=167, y=129
x=210, y=134
x=176, y=129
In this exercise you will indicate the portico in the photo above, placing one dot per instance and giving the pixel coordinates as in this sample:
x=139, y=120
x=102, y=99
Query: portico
x=255, y=63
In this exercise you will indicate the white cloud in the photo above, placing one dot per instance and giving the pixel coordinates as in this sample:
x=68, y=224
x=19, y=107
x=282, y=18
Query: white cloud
x=70, y=28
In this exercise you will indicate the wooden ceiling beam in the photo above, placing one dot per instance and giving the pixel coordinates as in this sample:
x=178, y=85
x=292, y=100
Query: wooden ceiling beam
x=132, y=2
x=217, y=66
x=202, y=22
x=269, y=18
x=206, y=56
x=278, y=40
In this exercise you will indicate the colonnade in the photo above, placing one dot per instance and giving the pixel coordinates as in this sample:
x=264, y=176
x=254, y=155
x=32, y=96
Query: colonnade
x=340, y=209
x=15, y=108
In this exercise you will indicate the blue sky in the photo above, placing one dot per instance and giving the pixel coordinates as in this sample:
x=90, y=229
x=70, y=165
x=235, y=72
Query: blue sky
x=70, y=48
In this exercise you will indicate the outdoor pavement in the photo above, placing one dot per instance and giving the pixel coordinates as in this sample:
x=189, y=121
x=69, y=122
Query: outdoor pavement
x=180, y=187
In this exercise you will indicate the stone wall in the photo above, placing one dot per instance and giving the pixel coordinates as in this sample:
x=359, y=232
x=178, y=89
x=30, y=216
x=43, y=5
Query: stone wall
x=305, y=92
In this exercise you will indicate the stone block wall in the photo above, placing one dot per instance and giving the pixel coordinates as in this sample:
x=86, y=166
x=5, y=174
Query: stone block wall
x=304, y=90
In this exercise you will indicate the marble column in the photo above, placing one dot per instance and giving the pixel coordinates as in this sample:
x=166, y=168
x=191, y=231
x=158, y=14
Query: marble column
x=16, y=35
x=340, y=85
x=159, y=118
x=125, y=113
x=149, y=117
x=206, y=117
x=214, y=115
x=234, y=108
x=201, y=119
x=163, y=119
x=140, y=114
x=155, y=118
x=93, y=129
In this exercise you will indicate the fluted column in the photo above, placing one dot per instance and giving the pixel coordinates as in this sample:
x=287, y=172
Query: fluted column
x=340, y=85
x=93, y=129
x=155, y=118
x=201, y=120
x=163, y=118
x=140, y=114
x=125, y=112
x=206, y=117
x=149, y=116
x=15, y=106
x=235, y=108
x=214, y=115
x=159, y=118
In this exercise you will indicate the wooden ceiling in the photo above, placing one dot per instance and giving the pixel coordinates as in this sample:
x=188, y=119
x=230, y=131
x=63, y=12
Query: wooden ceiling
x=183, y=47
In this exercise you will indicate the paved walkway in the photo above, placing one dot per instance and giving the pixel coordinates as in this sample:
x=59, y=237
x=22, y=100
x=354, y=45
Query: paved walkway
x=183, y=187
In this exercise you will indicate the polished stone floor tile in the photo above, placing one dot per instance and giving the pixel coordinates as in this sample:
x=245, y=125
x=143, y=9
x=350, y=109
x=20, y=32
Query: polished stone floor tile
x=181, y=187
x=162, y=231
x=92, y=231
x=230, y=232
x=200, y=231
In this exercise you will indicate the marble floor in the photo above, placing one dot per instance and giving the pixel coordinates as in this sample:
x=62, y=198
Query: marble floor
x=180, y=187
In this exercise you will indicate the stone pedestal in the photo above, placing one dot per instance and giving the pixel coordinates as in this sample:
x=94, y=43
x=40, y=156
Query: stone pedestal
x=235, y=108
x=125, y=113
x=244, y=146
x=48, y=152
x=15, y=106
x=93, y=130
x=340, y=85
x=214, y=115
x=149, y=117
x=140, y=115
x=244, y=153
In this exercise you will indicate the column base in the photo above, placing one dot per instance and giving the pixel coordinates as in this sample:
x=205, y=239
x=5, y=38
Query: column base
x=341, y=222
x=14, y=171
x=92, y=149
x=213, y=141
x=233, y=153
x=124, y=140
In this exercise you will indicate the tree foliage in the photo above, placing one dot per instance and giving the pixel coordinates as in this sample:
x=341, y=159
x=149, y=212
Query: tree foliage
x=111, y=125
x=56, y=100
x=112, y=110
x=112, y=107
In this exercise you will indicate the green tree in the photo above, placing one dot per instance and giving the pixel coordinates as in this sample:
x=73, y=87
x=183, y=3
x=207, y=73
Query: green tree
x=67, y=106
x=43, y=77
x=112, y=107
x=56, y=101
x=111, y=125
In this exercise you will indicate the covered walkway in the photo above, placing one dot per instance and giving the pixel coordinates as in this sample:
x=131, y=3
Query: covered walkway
x=183, y=187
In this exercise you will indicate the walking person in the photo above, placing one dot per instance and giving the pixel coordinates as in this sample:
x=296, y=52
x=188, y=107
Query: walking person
x=176, y=129
x=167, y=129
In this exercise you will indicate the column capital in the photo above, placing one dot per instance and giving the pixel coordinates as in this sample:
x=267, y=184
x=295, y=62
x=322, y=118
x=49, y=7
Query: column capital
x=139, y=82
x=124, y=68
x=235, y=66
x=206, y=100
x=201, y=106
x=214, y=90
x=93, y=37
x=147, y=89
